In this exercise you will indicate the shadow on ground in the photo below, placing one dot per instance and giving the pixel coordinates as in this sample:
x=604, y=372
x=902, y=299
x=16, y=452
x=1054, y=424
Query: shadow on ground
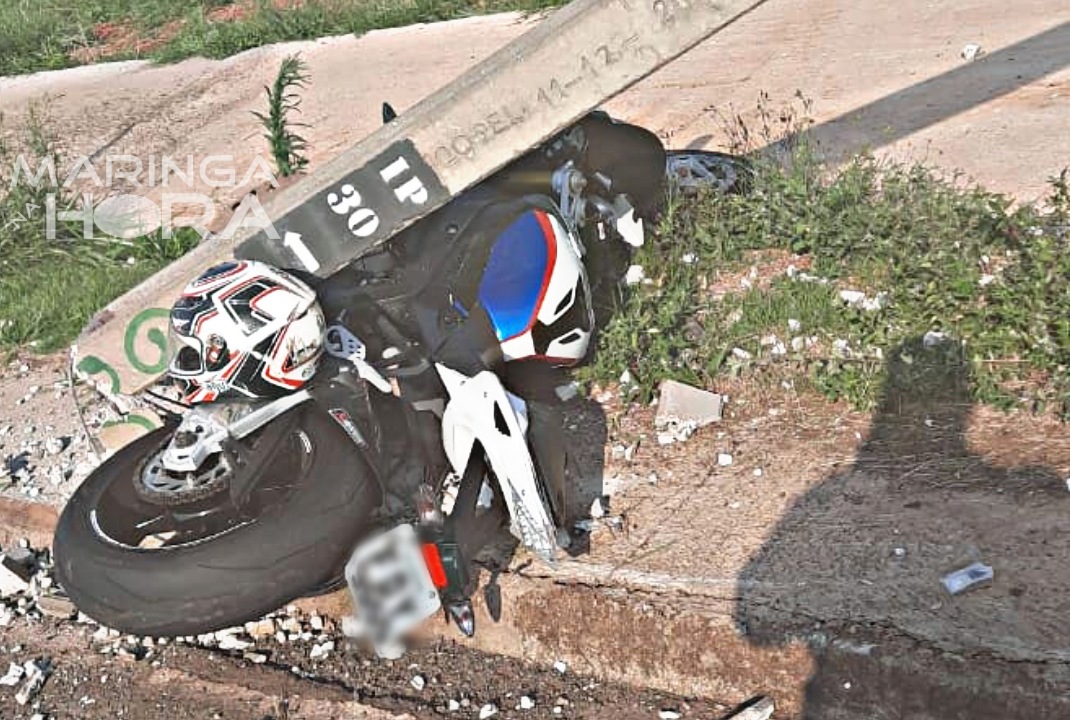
x=927, y=103
x=854, y=567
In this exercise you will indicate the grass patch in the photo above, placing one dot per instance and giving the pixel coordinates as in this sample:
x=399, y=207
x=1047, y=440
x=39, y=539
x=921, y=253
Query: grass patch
x=929, y=255
x=49, y=288
x=47, y=34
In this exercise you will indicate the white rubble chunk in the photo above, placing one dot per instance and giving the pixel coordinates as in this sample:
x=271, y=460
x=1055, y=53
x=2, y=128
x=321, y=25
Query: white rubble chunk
x=487, y=711
x=668, y=715
x=418, y=683
x=526, y=703
x=11, y=583
x=682, y=409
x=321, y=650
x=13, y=676
x=316, y=622
x=597, y=509
x=260, y=629
x=724, y=459
x=634, y=275
x=37, y=671
x=852, y=297
x=971, y=51
x=794, y=325
x=255, y=657
x=453, y=705
x=561, y=667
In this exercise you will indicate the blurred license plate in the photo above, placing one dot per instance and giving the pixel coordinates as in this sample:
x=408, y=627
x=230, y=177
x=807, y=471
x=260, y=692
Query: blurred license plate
x=391, y=587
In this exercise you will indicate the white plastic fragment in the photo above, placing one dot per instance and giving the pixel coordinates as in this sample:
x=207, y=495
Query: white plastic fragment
x=968, y=577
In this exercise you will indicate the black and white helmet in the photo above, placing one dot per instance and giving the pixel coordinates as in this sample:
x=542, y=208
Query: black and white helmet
x=246, y=328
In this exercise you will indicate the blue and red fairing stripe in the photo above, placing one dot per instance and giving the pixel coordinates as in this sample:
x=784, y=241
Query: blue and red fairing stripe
x=518, y=274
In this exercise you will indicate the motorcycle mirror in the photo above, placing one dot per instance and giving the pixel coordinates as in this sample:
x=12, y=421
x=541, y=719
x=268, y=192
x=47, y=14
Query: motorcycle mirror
x=388, y=113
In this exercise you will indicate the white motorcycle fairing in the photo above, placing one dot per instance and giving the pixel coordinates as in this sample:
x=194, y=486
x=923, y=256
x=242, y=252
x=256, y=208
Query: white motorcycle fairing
x=480, y=410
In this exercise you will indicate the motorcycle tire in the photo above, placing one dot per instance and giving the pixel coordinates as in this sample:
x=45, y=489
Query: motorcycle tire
x=296, y=543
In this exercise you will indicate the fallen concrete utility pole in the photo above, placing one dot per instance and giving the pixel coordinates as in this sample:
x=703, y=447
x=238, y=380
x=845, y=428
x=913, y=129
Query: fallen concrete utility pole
x=580, y=56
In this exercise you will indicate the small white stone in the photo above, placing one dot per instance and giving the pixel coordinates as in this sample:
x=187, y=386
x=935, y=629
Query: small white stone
x=847, y=686
x=561, y=667
x=900, y=552
x=526, y=703
x=626, y=378
x=255, y=657
x=852, y=297
x=741, y=354
x=668, y=715
x=418, y=682
x=453, y=705
x=798, y=344
x=557, y=709
x=488, y=710
x=758, y=472
x=794, y=325
x=689, y=258
x=316, y=622
x=970, y=51
x=724, y=459
x=635, y=275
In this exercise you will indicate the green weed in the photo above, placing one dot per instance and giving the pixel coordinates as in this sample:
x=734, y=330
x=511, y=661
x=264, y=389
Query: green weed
x=287, y=147
x=930, y=255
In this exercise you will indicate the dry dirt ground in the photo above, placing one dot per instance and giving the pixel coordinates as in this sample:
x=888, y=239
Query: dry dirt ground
x=816, y=580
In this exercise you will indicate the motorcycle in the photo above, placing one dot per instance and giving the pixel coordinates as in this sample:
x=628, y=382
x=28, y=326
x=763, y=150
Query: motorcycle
x=428, y=438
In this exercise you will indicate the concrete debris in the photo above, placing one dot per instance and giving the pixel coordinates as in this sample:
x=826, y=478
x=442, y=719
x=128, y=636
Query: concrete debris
x=11, y=582
x=418, y=683
x=453, y=705
x=260, y=629
x=37, y=671
x=798, y=344
x=561, y=667
x=682, y=409
x=230, y=642
x=487, y=711
x=724, y=459
x=526, y=703
x=626, y=378
x=741, y=354
x=13, y=676
x=255, y=657
x=794, y=325
x=761, y=709
x=316, y=623
x=634, y=275
x=969, y=577
x=758, y=472
x=56, y=606
x=971, y=51
x=689, y=258
x=321, y=650
x=852, y=297
x=668, y=715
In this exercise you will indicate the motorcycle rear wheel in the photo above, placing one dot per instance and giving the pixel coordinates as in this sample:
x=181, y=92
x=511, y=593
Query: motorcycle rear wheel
x=163, y=570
